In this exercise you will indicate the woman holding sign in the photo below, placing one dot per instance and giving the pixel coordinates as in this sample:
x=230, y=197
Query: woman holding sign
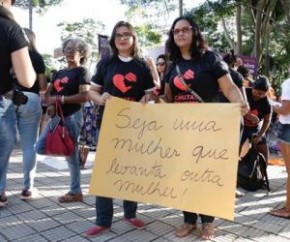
x=124, y=75
x=196, y=75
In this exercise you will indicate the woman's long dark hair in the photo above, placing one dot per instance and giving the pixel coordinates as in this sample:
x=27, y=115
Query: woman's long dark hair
x=32, y=38
x=135, y=49
x=198, y=45
x=6, y=14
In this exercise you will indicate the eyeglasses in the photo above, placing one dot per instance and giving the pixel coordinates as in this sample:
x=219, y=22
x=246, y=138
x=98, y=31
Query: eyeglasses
x=70, y=49
x=160, y=64
x=184, y=30
x=125, y=36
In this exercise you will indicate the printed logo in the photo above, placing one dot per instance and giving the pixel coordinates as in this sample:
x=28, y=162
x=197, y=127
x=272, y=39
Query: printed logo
x=189, y=74
x=60, y=83
x=119, y=81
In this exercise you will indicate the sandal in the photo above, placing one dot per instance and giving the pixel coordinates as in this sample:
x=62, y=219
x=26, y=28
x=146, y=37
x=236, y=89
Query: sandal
x=69, y=198
x=281, y=212
x=185, y=229
x=95, y=231
x=207, y=231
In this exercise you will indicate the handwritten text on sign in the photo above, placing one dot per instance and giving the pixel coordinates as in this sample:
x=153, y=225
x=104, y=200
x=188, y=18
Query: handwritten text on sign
x=176, y=155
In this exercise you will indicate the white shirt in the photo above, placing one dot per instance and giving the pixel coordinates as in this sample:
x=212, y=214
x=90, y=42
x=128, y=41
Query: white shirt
x=285, y=119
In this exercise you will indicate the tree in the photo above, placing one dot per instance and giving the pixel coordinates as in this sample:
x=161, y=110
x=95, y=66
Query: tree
x=39, y=5
x=88, y=30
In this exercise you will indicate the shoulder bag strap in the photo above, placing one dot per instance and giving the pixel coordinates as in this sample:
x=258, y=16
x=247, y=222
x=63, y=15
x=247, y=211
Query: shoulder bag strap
x=187, y=87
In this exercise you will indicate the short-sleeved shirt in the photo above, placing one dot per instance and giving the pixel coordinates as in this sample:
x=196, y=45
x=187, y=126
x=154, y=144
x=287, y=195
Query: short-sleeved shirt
x=260, y=108
x=66, y=82
x=285, y=119
x=39, y=68
x=11, y=39
x=124, y=79
x=200, y=75
x=237, y=79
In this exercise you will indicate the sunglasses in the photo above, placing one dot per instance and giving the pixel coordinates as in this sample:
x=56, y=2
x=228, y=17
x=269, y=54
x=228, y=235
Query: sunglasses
x=160, y=64
x=184, y=30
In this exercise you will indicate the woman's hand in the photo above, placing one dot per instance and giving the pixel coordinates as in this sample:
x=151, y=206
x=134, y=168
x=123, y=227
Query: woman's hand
x=50, y=111
x=103, y=98
x=49, y=100
x=244, y=107
x=148, y=97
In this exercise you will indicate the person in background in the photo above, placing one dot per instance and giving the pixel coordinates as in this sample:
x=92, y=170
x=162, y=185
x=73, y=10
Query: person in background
x=14, y=58
x=205, y=72
x=248, y=80
x=161, y=64
x=71, y=84
x=231, y=60
x=258, y=119
x=151, y=65
x=105, y=84
x=283, y=135
x=28, y=117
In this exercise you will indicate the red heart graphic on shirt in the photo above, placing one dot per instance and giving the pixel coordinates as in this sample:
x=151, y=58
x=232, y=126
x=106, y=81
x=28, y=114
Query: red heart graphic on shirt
x=189, y=74
x=131, y=77
x=59, y=84
x=179, y=84
x=119, y=81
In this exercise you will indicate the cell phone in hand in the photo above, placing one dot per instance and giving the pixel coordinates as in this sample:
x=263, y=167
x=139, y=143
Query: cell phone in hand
x=54, y=122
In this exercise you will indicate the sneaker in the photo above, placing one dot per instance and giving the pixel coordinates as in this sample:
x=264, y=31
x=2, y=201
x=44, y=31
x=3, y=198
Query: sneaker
x=3, y=200
x=95, y=231
x=135, y=222
x=25, y=195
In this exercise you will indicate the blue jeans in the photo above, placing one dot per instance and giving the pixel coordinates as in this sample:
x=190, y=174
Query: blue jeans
x=104, y=206
x=73, y=123
x=7, y=137
x=28, y=118
x=104, y=211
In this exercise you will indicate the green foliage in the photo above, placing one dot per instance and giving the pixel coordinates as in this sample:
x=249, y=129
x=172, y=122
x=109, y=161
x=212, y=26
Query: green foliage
x=37, y=3
x=88, y=30
x=147, y=36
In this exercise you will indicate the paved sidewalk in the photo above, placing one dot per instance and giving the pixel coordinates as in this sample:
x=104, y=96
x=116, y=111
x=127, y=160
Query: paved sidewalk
x=43, y=219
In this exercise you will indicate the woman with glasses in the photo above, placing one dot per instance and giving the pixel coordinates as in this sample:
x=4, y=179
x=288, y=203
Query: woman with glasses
x=195, y=68
x=71, y=84
x=14, y=58
x=124, y=75
x=161, y=64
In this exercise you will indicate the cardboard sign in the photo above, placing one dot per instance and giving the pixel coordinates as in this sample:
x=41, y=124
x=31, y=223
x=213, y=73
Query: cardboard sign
x=182, y=156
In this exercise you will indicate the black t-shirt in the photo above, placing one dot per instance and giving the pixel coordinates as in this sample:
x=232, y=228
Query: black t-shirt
x=11, y=39
x=260, y=107
x=200, y=75
x=237, y=79
x=39, y=68
x=127, y=80
x=66, y=83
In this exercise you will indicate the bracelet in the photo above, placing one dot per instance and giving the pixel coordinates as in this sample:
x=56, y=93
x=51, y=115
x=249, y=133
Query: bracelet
x=62, y=99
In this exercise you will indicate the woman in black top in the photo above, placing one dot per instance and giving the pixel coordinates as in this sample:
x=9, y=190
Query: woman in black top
x=204, y=72
x=72, y=85
x=13, y=54
x=124, y=75
x=28, y=117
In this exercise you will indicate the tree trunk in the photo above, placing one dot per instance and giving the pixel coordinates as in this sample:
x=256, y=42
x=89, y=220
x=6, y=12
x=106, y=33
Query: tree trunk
x=227, y=35
x=30, y=14
x=239, y=29
x=180, y=7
